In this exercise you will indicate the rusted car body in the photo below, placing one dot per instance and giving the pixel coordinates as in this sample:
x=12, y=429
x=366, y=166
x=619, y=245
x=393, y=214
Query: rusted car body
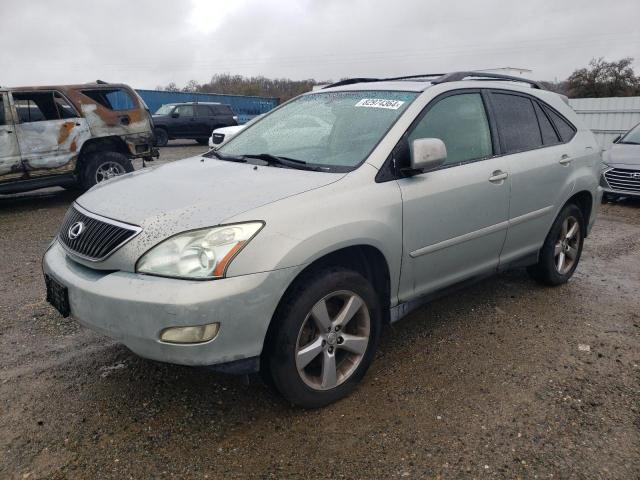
x=59, y=135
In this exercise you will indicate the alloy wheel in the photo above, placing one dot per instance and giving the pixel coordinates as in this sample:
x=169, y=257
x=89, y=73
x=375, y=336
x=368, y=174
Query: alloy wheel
x=566, y=249
x=333, y=340
x=108, y=170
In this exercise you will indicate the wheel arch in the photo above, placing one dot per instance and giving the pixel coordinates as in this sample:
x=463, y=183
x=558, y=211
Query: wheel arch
x=584, y=201
x=102, y=144
x=365, y=259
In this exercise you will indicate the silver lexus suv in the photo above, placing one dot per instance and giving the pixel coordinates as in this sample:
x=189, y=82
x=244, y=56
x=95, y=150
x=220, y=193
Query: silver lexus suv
x=286, y=249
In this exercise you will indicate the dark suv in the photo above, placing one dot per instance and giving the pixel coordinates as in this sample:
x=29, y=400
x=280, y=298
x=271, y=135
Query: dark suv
x=190, y=120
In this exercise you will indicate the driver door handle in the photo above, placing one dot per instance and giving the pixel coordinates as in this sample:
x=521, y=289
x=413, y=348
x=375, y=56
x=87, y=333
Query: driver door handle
x=498, y=176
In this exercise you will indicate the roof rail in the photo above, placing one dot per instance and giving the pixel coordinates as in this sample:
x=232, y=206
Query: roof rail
x=350, y=81
x=457, y=76
x=102, y=82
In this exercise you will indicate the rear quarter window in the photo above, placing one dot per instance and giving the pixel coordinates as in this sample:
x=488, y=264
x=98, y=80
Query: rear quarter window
x=113, y=99
x=564, y=128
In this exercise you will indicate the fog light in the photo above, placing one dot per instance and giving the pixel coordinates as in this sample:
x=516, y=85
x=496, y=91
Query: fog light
x=194, y=334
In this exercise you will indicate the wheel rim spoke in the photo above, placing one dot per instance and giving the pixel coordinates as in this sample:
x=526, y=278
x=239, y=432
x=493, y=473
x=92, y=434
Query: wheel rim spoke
x=321, y=315
x=572, y=231
x=572, y=252
x=560, y=264
x=565, y=228
x=557, y=249
x=354, y=343
x=329, y=371
x=309, y=352
x=349, y=310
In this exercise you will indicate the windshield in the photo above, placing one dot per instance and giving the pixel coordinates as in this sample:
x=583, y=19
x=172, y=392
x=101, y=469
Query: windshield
x=336, y=130
x=632, y=136
x=165, y=109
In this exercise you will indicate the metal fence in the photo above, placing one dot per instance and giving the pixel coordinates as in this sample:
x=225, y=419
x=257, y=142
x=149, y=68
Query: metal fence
x=245, y=107
x=607, y=117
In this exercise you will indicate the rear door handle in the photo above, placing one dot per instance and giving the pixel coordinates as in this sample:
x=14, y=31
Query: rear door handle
x=565, y=160
x=498, y=176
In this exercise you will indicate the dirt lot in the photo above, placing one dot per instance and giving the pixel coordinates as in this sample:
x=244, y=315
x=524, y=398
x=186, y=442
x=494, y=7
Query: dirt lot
x=488, y=383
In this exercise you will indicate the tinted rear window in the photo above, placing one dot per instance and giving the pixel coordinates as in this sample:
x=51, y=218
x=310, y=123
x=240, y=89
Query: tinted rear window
x=113, y=99
x=203, y=111
x=565, y=129
x=517, y=122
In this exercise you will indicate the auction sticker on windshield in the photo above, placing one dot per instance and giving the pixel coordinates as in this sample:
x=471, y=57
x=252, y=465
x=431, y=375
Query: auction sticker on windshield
x=380, y=103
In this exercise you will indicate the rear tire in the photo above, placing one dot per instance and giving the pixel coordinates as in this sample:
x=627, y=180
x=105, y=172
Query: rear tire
x=328, y=327
x=160, y=137
x=559, y=256
x=101, y=166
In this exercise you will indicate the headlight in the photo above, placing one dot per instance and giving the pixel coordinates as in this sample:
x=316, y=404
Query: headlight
x=198, y=254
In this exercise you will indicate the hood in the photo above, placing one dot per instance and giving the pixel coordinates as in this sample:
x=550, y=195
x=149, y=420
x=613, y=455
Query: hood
x=196, y=192
x=623, y=154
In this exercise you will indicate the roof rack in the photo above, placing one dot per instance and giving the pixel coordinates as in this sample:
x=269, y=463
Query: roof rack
x=440, y=78
x=457, y=76
x=350, y=81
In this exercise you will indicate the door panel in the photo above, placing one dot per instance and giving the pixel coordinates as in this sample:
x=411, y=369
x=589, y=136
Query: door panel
x=540, y=167
x=454, y=218
x=10, y=161
x=49, y=143
x=455, y=223
x=185, y=124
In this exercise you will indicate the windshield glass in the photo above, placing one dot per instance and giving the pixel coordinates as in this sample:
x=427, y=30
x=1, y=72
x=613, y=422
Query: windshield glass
x=165, y=109
x=337, y=130
x=632, y=136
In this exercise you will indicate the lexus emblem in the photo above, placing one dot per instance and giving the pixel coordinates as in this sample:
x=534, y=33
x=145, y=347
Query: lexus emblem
x=75, y=230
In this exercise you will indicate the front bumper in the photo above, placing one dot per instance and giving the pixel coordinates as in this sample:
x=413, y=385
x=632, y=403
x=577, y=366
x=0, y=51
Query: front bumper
x=133, y=309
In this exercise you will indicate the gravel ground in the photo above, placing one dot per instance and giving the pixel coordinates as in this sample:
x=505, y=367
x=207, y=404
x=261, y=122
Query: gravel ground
x=493, y=382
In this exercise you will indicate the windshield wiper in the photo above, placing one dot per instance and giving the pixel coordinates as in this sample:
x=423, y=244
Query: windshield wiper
x=219, y=156
x=283, y=161
x=630, y=143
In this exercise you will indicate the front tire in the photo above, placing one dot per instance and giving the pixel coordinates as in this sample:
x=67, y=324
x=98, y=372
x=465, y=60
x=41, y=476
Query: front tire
x=327, y=333
x=561, y=251
x=101, y=166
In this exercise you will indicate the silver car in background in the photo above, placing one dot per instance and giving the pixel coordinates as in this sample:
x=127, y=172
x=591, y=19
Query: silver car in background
x=286, y=251
x=621, y=176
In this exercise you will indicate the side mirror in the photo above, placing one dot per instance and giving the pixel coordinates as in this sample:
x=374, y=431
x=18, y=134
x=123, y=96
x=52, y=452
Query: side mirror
x=615, y=140
x=175, y=115
x=427, y=154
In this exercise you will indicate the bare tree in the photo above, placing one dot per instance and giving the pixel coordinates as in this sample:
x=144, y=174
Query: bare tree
x=604, y=79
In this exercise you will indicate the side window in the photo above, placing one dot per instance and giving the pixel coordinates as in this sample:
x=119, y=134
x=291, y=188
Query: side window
x=203, y=111
x=2, y=117
x=35, y=106
x=565, y=129
x=549, y=135
x=184, y=110
x=460, y=121
x=65, y=110
x=517, y=122
x=112, y=98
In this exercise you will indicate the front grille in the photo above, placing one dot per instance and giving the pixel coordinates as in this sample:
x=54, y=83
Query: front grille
x=623, y=179
x=93, y=238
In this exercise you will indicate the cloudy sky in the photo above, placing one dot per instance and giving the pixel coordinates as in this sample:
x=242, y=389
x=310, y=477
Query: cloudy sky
x=153, y=42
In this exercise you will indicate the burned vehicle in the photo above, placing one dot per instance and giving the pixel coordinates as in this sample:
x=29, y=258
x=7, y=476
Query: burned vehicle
x=71, y=136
